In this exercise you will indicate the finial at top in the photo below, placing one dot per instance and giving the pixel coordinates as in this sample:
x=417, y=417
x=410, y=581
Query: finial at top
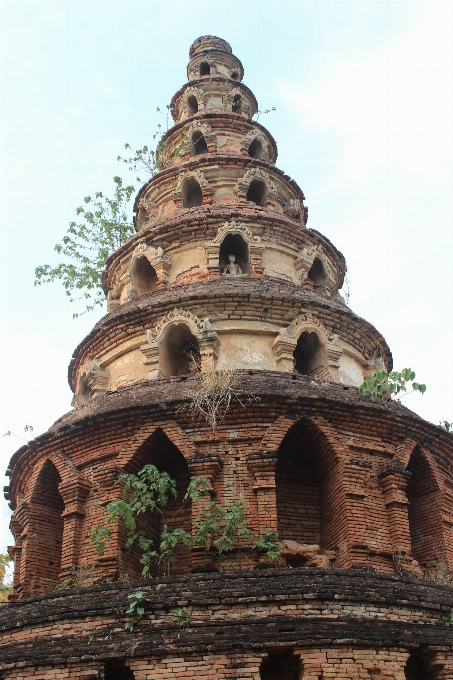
x=212, y=56
x=207, y=43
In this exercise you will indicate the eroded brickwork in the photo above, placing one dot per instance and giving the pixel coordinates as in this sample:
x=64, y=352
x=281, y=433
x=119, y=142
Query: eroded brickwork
x=224, y=268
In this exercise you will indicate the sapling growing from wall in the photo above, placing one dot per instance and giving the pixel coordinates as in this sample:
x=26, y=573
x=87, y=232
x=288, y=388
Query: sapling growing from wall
x=390, y=387
x=222, y=531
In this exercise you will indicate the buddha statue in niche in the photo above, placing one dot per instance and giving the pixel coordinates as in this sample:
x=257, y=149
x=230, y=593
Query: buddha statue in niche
x=232, y=269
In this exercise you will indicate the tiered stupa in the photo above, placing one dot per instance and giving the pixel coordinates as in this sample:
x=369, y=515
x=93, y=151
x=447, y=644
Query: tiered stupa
x=224, y=268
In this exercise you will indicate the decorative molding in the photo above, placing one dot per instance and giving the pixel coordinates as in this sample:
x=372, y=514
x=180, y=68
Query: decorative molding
x=304, y=262
x=92, y=382
x=254, y=244
x=292, y=208
x=208, y=341
x=286, y=341
x=244, y=182
x=189, y=92
x=267, y=154
x=207, y=190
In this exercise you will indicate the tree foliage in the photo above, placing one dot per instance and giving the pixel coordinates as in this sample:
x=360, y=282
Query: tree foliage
x=387, y=387
x=105, y=226
x=5, y=586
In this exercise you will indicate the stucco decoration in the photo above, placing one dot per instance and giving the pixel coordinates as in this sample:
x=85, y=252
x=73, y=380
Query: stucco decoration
x=253, y=242
x=193, y=72
x=293, y=209
x=93, y=381
x=147, y=212
x=286, y=341
x=267, y=153
x=207, y=190
x=158, y=259
x=304, y=262
x=206, y=130
x=201, y=328
x=244, y=107
x=242, y=186
x=184, y=109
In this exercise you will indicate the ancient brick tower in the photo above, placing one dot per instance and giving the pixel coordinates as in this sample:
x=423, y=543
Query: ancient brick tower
x=223, y=266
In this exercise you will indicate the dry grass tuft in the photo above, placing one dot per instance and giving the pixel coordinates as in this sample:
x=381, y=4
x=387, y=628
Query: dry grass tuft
x=212, y=397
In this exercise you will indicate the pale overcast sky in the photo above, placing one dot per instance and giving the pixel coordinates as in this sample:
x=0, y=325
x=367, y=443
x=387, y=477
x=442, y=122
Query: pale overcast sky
x=363, y=123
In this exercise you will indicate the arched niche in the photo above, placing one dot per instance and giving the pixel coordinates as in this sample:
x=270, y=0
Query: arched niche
x=160, y=451
x=255, y=149
x=178, y=350
x=199, y=145
x=143, y=276
x=46, y=537
x=236, y=106
x=205, y=69
x=234, y=244
x=317, y=274
x=281, y=664
x=256, y=193
x=191, y=193
x=310, y=355
x=425, y=522
x=192, y=105
x=307, y=488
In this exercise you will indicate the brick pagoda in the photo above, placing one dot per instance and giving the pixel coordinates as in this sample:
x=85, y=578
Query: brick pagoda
x=224, y=268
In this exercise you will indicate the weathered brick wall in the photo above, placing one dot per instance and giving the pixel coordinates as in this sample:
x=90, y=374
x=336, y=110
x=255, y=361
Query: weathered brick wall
x=325, y=484
x=341, y=624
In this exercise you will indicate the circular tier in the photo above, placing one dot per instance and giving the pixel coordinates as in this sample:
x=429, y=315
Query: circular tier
x=343, y=481
x=235, y=322
x=335, y=623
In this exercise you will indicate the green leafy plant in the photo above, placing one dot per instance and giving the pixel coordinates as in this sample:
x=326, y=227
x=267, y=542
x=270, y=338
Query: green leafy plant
x=27, y=428
x=5, y=586
x=268, y=543
x=445, y=425
x=136, y=609
x=448, y=619
x=387, y=387
x=87, y=245
x=182, y=617
x=226, y=531
x=149, y=492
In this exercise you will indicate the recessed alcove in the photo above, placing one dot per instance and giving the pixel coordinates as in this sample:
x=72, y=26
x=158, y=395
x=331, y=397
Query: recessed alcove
x=415, y=667
x=255, y=148
x=116, y=669
x=425, y=522
x=160, y=451
x=317, y=273
x=192, y=105
x=199, y=145
x=178, y=350
x=143, y=276
x=236, y=105
x=191, y=193
x=256, y=192
x=234, y=244
x=309, y=355
x=47, y=534
x=205, y=69
x=280, y=664
x=306, y=489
